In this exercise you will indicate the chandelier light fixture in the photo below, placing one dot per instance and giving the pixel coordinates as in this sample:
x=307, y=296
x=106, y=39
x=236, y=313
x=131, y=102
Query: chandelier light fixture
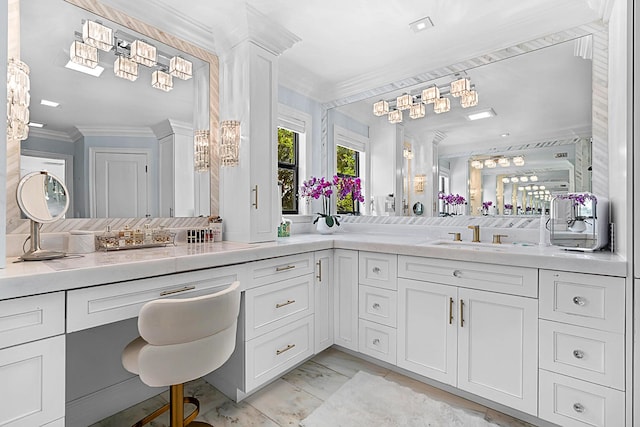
x=161, y=80
x=201, y=150
x=461, y=88
x=83, y=54
x=493, y=161
x=125, y=68
x=128, y=55
x=229, y=148
x=18, y=99
x=180, y=68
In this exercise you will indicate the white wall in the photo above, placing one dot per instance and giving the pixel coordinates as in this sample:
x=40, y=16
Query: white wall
x=382, y=140
x=3, y=139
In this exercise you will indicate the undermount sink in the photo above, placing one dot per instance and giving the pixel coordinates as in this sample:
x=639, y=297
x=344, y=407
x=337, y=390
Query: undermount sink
x=477, y=246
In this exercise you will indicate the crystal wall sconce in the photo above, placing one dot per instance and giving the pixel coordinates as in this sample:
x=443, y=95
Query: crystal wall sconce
x=18, y=99
x=201, y=150
x=229, y=148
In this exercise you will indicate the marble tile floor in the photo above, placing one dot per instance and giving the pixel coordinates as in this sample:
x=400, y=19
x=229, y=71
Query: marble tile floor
x=291, y=398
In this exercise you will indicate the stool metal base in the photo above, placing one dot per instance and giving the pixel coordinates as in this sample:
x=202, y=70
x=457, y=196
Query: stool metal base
x=176, y=408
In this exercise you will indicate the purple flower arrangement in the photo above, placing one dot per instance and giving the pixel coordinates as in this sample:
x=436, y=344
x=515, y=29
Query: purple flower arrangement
x=508, y=206
x=321, y=187
x=578, y=198
x=451, y=199
x=487, y=204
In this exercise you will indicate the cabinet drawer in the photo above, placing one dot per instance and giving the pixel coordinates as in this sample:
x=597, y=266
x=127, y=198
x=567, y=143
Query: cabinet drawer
x=378, y=305
x=274, y=353
x=275, y=269
x=570, y=402
x=31, y=318
x=377, y=341
x=104, y=304
x=498, y=278
x=583, y=299
x=270, y=307
x=380, y=270
x=588, y=354
x=33, y=382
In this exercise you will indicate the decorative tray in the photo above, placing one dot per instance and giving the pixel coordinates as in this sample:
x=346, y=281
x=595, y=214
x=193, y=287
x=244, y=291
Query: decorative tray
x=130, y=239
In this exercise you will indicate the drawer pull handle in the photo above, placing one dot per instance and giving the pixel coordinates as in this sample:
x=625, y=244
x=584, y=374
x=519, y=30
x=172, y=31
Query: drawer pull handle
x=285, y=268
x=282, y=304
x=175, y=291
x=457, y=273
x=376, y=306
x=376, y=270
x=376, y=341
x=579, y=301
x=578, y=408
x=287, y=348
x=578, y=354
x=450, y=311
x=461, y=313
x=319, y=276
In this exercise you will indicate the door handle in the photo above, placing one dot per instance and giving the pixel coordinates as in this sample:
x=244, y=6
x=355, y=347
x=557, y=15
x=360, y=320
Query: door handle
x=255, y=204
x=450, y=311
x=319, y=276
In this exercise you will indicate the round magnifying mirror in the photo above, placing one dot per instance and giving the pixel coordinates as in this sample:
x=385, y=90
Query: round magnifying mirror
x=418, y=208
x=43, y=198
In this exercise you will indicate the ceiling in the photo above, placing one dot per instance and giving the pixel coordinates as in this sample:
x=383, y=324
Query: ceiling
x=339, y=48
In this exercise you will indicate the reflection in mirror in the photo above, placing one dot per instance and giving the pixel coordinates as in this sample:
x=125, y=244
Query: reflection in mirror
x=130, y=144
x=551, y=132
x=43, y=198
x=418, y=208
x=579, y=221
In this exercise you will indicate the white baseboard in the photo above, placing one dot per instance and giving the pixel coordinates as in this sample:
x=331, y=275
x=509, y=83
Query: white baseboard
x=96, y=406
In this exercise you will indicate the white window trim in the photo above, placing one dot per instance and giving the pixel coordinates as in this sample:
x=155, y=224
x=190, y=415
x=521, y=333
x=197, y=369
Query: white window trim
x=301, y=123
x=354, y=141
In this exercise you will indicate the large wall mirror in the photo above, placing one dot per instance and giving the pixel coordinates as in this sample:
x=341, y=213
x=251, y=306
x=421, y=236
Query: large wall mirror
x=539, y=100
x=126, y=148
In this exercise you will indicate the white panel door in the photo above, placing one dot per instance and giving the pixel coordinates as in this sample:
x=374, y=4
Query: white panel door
x=427, y=329
x=345, y=300
x=323, y=300
x=498, y=348
x=121, y=185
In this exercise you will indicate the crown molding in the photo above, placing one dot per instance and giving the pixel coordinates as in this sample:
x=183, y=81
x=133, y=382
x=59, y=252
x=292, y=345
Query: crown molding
x=124, y=131
x=52, y=134
x=170, y=127
x=267, y=33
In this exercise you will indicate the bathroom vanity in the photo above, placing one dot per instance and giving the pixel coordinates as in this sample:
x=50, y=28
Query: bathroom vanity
x=531, y=330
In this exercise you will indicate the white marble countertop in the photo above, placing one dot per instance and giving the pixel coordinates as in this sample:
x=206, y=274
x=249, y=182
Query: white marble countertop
x=29, y=278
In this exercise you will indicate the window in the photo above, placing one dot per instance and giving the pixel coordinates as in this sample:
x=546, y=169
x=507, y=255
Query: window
x=288, y=169
x=347, y=165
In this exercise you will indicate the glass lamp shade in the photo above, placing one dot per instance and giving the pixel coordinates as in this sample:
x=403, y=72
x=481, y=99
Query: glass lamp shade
x=490, y=163
x=125, y=68
x=505, y=180
x=161, y=80
x=417, y=111
x=514, y=179
x=441, y=105
x=229, y=148
x=430, y=94
x=404, y=102
x=83, y=54
x=469, y=99
x=97, y=35
x=460, y=86
x=201, y=150
x=504, y=162
x=180, y=68
x=524, y=179
x=395, y=116
x=518, y=161
x=533, y=178
x=381, y=108
x=477, y=164
x=144, y=53
x=18, y=99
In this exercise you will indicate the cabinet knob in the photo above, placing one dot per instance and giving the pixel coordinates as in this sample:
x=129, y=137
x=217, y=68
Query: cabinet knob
x=579, y=301
x=376, y=270
x=376, y=306
x=457, y=273
x=578, y=354
x=376, y=341
x=578, y=407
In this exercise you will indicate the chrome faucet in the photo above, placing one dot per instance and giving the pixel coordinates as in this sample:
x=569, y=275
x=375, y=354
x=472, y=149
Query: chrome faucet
x=476, y=233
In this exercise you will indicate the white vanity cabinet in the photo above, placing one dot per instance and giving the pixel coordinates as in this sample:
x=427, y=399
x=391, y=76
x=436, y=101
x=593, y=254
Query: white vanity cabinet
x=479, y=341
x=32, y=361
x=582, y=351
x=345, y=298
x=323, y=295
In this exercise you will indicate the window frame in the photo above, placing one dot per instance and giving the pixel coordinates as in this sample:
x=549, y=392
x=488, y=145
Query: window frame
x=293, y=167
x=356, y=205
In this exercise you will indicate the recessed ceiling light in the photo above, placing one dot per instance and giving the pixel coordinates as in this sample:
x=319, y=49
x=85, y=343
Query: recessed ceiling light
x=421, y=24
x=36, y=125
x=49, y=103
x=504, y=135
x=481, y=114
x=91, y=71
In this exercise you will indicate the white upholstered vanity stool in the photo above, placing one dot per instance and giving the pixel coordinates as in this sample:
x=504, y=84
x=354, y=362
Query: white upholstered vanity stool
x=181, y=340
